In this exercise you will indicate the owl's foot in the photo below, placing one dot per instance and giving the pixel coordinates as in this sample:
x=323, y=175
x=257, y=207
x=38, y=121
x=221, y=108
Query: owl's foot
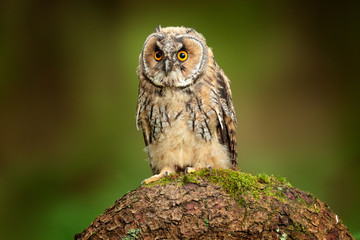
x=163, y=173
x=209, y=168
x=198, y=168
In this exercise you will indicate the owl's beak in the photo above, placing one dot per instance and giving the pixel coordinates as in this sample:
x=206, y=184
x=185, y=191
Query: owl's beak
x=168, y=66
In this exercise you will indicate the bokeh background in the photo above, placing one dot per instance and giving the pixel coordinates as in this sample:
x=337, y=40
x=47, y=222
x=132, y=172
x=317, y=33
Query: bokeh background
x=68, y=142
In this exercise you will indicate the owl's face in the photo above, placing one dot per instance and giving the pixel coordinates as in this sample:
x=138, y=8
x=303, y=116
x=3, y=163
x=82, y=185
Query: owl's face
x=173, y=57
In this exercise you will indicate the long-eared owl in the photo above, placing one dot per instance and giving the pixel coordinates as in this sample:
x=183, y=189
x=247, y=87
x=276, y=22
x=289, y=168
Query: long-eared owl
x=185, y=107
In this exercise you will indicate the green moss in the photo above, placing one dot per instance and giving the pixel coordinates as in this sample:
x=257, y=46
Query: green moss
x=235, y=183
x=281, y=180
x=238, y=184
x=316, y=207
x=163, y=181
x=308, y=203
x=206, y=222
x=189, y=178
x=298, y=227
x=132, y=234
x=302, y=201
x=263, y=178
x=283, y=236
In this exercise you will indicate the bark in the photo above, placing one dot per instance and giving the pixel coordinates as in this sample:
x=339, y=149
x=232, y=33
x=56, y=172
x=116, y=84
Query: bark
x=222, y=205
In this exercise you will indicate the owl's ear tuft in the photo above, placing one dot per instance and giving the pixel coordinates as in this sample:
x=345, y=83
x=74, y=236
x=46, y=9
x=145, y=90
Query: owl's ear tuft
x=189, y=30
x=194, y=32
x=157, y=29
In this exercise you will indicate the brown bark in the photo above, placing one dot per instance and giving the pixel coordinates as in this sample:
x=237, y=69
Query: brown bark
x=223, y=205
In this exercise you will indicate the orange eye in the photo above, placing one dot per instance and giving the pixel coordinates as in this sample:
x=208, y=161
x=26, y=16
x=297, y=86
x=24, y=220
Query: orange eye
x=158, y=55
x=182, y=56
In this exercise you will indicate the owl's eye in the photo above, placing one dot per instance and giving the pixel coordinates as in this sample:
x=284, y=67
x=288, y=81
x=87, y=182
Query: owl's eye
x=182, y=56
x=158, y=55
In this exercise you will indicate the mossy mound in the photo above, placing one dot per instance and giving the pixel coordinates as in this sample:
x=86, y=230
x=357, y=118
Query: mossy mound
x=234, y=183
x=223, y=204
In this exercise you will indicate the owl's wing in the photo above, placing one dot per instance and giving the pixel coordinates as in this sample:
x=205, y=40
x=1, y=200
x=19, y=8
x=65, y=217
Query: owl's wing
x=226, y=116
x=140, y=121
x=143, y=114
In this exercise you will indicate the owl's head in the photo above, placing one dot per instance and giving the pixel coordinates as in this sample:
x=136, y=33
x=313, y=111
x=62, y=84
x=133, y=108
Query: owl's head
x=173, y=57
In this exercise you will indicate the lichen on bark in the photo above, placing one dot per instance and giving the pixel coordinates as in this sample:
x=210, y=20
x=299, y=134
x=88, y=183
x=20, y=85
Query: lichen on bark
x=225, y=204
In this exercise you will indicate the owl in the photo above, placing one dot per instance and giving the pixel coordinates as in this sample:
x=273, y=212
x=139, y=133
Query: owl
x=185, y=107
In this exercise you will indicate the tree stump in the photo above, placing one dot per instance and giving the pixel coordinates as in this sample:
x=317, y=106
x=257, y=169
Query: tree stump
x=223, y=204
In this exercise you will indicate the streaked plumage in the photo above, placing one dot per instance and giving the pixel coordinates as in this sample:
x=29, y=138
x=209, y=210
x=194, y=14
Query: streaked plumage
x=185, y=108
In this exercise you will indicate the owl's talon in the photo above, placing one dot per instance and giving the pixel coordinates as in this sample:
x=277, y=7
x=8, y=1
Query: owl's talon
x=209, y=168
x=163, y=173
x=191, y=169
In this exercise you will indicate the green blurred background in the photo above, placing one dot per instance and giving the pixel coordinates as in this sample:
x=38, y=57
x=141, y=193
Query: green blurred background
x=68, y=142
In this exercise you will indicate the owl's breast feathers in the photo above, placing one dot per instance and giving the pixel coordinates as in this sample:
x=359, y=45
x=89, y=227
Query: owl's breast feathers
x=204, y=109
